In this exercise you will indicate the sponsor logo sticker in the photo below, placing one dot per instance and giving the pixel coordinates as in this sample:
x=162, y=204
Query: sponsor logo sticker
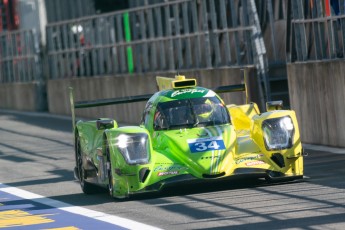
x=252, y=158
x=169, y=168
x=253, y=163
x=168, y=173
x=183, y=91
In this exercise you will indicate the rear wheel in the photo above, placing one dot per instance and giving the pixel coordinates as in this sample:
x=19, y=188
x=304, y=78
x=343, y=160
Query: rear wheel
x=85, y=186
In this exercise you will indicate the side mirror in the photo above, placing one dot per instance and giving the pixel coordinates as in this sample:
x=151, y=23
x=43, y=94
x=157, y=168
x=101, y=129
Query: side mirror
x=274, y=105
x=105, y=124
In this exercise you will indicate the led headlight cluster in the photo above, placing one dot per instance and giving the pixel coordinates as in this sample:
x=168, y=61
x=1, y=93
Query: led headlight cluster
x=278, y=133
x=134, y=147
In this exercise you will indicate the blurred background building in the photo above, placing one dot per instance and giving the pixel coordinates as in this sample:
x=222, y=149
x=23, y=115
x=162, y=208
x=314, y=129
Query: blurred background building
x=8, y=15
x=52, y=39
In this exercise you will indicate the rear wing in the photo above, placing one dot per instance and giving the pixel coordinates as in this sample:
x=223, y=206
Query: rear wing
x=102, y=102
x=146, y=97
x=235, y=88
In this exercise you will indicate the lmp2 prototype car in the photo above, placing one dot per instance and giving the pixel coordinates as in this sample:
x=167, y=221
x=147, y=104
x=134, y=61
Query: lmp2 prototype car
x=187, y=134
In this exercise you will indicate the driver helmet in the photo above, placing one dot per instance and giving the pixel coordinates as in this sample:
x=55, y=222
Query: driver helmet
x=204, y=110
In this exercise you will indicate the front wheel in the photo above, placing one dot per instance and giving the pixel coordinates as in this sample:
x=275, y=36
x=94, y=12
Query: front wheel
x=109, y=171
x=86, y=187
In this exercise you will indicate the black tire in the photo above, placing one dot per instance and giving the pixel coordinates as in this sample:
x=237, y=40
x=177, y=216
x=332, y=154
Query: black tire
x=86, y=187
x=109, y=171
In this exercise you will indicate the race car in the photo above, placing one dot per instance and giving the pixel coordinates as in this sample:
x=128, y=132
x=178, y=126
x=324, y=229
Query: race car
x=187, y=134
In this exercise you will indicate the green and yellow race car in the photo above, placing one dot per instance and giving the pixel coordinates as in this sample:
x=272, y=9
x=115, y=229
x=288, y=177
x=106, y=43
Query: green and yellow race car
x=187, y=134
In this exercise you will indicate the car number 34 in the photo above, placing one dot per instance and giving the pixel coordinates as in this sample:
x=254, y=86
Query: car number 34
x=205, y=145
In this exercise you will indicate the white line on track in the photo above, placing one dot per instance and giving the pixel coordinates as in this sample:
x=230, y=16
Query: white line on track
x=324, y=148
x=116, y=220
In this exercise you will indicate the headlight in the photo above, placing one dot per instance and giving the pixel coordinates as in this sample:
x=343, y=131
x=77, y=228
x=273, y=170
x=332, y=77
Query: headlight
x=278, y=133
x=134, y=148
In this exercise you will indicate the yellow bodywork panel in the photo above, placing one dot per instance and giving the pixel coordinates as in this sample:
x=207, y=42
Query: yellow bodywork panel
x=257, y=132
x=241, y=115
x=252, y=150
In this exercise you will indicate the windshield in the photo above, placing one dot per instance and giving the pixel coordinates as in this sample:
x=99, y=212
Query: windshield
x=190, y=113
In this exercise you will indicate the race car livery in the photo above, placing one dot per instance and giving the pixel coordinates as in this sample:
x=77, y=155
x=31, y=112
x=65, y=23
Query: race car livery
x=187, y=134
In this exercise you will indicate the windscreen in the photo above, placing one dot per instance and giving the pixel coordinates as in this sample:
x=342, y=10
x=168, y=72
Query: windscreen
x=188, y=113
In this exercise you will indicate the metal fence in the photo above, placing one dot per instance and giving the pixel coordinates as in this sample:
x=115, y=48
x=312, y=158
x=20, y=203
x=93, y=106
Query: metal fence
x=59, y=10
x=317, y=30
x=19, y=57
x=170, y=36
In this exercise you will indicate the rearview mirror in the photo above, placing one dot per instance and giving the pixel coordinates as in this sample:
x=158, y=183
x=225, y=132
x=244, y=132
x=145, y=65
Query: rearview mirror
x=274, y=105
x=105, y=124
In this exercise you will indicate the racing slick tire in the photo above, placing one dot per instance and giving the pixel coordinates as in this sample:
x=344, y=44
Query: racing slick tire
x=86, y=187
x=109, y=172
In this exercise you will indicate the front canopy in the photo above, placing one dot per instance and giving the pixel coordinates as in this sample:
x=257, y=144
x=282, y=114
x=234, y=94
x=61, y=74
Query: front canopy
x=189, y=113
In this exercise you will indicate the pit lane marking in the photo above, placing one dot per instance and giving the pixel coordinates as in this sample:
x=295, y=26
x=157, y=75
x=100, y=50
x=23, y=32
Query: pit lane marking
x=13, y=218
x=63, y=228
x=100, y=216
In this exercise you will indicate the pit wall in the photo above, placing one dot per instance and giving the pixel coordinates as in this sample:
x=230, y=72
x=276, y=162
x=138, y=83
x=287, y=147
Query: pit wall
x=23, y=96
x=317, y=94
x=120, y=86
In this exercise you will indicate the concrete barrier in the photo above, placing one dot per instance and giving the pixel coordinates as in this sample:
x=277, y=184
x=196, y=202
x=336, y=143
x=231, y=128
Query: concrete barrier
x=23, y=96
x=130, y=85
x=317, y=94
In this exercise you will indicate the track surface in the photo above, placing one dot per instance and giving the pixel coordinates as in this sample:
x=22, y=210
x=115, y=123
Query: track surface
x=36, y=155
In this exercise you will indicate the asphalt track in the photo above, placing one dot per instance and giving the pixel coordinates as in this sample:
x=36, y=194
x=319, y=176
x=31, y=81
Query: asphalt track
x=38, y=190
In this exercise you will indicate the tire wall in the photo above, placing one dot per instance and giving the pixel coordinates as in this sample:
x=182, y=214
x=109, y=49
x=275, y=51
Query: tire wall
x=317, y=94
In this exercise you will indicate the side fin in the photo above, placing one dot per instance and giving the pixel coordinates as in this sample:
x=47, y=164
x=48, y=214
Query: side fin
x=71, y=99
x=164, y=83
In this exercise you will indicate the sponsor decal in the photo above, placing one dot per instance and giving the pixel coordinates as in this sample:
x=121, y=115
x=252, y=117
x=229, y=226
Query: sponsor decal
x=184, y=91
x=206, y=144
x=168, y=173
x=170, y=168
x=253, y=163
x=209, y=157
x=253, y=158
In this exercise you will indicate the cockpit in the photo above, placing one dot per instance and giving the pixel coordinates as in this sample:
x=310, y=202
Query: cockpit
x=189, y=113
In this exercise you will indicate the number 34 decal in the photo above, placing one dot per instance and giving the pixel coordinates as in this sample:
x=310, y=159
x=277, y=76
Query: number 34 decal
x=206, y=144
